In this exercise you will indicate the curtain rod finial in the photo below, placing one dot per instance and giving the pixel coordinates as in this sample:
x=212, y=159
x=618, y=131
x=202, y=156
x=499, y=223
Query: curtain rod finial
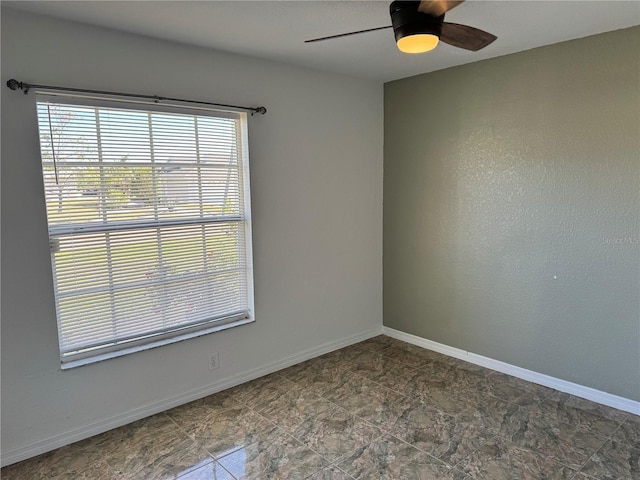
x=13, y=84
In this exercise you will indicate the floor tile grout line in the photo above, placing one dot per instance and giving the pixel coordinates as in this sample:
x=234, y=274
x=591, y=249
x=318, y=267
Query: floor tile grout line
x=575, y=475
x=466, y=457
x=226, y=470
x=331, y=465
x=211, y=454
x=385, y=431
x=548, y=394
x=335, y=465
x=591, y=433
x=345, y=456
x=423, y=451
x=399, y=364
x=287, y=433
x=414, y=368
x=490, y=372
x=585, y=475
x=166, y=417
x=111, y=471
x=199, y=445
x=179, y=427
x=540, y=454
x=318, y=397
x=382, y=432
x=378, y=384
x=454, y=366
x=589, y=457
x=214, y=462
x=592, y=412
x=618, y=428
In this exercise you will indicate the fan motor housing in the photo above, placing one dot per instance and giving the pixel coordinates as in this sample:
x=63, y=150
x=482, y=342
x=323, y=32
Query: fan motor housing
x=407, y=20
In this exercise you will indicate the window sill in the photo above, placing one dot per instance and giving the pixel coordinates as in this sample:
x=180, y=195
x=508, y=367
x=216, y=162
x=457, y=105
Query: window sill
x=159, y=343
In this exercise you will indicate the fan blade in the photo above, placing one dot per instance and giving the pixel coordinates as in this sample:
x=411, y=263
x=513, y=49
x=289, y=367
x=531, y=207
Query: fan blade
x=437, y=7
x=466, y=37
x=346, y=34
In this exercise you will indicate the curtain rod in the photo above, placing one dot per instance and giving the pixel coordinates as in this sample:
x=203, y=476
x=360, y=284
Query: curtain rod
x=13, y=84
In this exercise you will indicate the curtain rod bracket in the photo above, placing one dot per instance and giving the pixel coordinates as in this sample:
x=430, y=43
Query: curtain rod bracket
x=14, y=84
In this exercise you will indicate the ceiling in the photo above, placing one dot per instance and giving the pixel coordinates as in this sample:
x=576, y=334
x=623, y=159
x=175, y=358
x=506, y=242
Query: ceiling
x=276, y=30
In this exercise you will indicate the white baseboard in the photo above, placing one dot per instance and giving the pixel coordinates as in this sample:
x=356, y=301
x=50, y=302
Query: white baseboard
x=71, y=436
x=592, y=394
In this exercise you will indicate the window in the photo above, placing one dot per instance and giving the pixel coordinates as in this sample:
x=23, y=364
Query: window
x=149, y=224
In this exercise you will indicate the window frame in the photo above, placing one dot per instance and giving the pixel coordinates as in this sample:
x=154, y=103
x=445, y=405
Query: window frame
x=188, y=330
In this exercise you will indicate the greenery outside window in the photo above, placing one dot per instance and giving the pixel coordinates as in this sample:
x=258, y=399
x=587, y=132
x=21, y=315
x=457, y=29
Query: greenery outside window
x=149, y=223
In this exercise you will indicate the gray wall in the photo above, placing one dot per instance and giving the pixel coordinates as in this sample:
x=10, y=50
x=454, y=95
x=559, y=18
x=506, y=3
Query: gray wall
x=316, y=171
x=511, y=209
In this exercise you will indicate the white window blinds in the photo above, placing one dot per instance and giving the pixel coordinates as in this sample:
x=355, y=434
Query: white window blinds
x=148, y=216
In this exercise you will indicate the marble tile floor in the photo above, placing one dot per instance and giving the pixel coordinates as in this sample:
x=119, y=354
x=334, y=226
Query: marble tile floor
x=380, y=409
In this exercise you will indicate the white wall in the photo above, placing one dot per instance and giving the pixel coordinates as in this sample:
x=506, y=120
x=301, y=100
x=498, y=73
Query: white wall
x=316, y=170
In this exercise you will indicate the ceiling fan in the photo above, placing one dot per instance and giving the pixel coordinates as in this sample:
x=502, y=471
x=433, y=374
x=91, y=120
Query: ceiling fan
x=419, y=26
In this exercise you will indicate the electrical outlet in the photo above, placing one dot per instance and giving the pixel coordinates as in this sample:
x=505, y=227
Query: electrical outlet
x=214, y=363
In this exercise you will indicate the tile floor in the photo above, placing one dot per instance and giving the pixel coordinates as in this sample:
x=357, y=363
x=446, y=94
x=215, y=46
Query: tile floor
x=380, y=409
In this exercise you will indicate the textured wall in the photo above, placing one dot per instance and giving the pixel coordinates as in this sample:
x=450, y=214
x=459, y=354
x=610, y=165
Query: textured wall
x=511, y=209
x=316, y=172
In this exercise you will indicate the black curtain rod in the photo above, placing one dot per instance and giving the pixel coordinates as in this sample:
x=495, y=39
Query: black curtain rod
x=13, y=84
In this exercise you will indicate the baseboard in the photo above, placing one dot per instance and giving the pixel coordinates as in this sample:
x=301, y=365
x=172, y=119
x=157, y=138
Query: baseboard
x=598, y=396
x=71, y=436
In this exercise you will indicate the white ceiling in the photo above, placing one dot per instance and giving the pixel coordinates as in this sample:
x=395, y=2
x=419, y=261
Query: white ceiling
x=276, y=29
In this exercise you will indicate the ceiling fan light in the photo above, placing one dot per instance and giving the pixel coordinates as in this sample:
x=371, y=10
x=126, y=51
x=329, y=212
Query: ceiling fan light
x=415, y=32
x=418, y=43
